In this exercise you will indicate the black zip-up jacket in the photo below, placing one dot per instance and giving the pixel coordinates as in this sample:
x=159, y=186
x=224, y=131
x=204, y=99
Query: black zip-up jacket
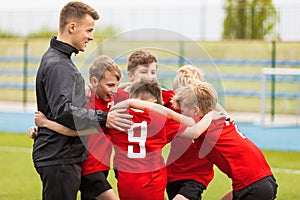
x=60, y=93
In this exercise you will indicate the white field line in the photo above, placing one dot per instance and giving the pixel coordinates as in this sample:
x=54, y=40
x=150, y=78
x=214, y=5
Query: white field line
x=286, y=171
x=29, y=150
x=15, y=149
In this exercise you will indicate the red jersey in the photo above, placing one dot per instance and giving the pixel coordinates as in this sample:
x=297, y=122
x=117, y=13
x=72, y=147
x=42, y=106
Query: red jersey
x=138, y=156
x=184, y=163
x=99, y=146
x=167, y=96
x=234, y=154
x=121, y=95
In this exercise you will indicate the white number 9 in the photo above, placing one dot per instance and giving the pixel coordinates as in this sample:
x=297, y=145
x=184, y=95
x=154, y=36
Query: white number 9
x=141, y=140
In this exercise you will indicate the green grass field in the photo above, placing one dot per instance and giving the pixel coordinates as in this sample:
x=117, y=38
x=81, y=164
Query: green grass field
x=19, y=180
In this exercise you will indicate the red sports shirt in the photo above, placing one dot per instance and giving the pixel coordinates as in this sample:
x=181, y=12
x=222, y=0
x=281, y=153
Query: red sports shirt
x=167, y=95
x=99, y=146
x=121, y=95
x=138, y=156
x=234, y=154
x=184, y=163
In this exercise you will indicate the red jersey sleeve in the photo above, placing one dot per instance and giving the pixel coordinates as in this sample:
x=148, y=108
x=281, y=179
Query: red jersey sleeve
x=173, y=129
x=167, y=96
x=121, y=95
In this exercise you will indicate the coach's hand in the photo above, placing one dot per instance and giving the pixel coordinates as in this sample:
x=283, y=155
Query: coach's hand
x=119, y=120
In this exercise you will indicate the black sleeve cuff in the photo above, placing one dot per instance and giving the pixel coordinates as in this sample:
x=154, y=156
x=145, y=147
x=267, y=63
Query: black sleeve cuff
x=102, y=117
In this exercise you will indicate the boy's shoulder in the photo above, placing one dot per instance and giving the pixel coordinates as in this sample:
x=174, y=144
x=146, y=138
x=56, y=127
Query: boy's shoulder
x=121, y=95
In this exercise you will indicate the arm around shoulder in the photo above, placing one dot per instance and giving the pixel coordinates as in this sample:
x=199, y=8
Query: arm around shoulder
x=200, y=127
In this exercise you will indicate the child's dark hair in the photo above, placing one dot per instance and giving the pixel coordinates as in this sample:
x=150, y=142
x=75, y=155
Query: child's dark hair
x=146, y=89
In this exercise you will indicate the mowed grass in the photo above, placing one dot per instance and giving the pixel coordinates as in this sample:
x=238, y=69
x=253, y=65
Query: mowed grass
x=19, y=180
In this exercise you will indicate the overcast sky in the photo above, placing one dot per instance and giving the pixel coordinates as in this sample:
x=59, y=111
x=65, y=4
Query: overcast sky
x=111, y=11
x=57, y=4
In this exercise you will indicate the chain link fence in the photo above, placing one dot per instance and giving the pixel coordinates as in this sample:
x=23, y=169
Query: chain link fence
x=202, y=22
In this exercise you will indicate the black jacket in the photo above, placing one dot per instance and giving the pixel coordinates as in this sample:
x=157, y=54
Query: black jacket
x=61, y=97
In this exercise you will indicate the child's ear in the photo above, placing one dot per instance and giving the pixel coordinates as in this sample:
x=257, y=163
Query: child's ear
x=93, y=82
x=153, y=100
x=130, y=76
x=196, y=111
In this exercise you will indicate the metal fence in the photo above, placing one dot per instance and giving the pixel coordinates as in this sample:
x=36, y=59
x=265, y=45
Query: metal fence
x=203, y=22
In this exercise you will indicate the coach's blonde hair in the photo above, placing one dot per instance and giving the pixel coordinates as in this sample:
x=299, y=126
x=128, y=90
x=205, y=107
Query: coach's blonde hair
x=200, y=94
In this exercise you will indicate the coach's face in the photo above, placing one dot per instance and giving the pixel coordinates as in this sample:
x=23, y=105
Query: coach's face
x=82, y=32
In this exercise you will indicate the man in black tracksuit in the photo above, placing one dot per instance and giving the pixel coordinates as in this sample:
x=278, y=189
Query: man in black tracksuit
x=60, y=92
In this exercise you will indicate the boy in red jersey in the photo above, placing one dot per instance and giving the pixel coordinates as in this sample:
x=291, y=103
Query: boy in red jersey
x=226, y=147
x=188, y=175
x=105, y=75
x=142, y=64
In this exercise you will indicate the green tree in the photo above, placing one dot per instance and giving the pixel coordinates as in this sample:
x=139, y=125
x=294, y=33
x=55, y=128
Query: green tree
x=99, y=33
x=249, y=19
x=106, y=32
x=44, y=32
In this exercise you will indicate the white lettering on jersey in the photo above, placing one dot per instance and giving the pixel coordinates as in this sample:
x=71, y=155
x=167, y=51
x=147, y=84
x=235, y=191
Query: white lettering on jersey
x=141, y=140
x=227, y=123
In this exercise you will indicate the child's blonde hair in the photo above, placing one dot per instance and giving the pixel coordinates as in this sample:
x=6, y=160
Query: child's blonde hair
x=200, y=94
x=102, y=64
x=186, y=75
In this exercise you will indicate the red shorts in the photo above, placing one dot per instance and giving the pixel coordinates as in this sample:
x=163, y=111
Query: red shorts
x=146, y=186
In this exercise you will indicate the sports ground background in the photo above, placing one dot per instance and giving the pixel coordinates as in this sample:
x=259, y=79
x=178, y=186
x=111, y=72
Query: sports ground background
x=238, y=62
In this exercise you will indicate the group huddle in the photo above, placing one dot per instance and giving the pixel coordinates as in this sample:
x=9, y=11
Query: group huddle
x=79, y=128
